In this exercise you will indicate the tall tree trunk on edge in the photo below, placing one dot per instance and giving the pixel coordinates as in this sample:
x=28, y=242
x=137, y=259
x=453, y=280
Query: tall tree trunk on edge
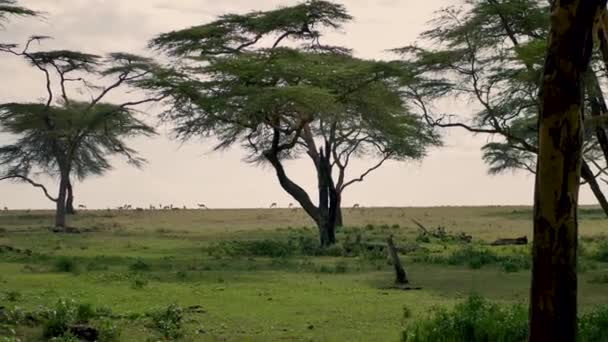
x=554, y=280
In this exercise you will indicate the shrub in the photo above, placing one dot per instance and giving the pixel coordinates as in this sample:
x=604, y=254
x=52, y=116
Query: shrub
x=85, y=312
x=407, y=313
x=139, y=283
x=60, y=317
x=473, y=257
x=476, y=257
x=13, y=296
x=592, y=326
x=168, y=321
x=108, y=332
x=476, y=319
x=66, y=265
x=139, y=266
x=602, y=252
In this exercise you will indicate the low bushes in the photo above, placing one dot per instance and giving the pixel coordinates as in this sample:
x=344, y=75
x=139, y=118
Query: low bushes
x=477, y=319
x=477, y=257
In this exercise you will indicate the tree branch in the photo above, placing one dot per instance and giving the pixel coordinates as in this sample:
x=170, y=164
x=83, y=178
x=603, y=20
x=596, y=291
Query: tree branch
x=370, y=170
x=28, y=180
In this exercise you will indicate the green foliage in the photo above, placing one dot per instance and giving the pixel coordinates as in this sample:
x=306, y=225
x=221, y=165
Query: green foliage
x=232, y=32
x=139, y=283
x=139, y=266
x=277, y=101
x=601, y=254
x=11, y=8
x=13, y=296
x=592, y=326
x=85, y=312
x=477, y=257
x=476, y=319
x=61, y=316
x=108, y=331
x=168, y=321
x=67, y=265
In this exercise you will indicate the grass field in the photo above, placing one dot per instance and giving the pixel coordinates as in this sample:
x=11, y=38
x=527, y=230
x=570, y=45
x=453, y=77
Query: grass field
x=256, y=275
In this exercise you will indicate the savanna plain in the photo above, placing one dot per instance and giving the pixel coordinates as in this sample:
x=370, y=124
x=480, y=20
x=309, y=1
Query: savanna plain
x=259, y=275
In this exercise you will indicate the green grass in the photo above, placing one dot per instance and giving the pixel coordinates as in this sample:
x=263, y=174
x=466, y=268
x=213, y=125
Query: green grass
x=266, y=283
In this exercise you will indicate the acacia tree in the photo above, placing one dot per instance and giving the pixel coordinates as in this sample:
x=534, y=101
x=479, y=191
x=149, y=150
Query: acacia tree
x=560, y=136
x=11, y=8
x=492, y=52
x=65, y=136
x=240, y=83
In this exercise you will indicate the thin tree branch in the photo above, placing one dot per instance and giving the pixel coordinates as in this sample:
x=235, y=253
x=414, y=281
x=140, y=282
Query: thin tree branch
x=28, y=180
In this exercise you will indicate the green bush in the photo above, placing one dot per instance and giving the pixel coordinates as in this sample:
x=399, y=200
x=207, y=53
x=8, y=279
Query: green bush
x=139, y=283
x=13, y=296
x=139, y=266
x=479, y=320
x=60, y=317
x=601, y=254
x=108, y=332
x=66, y=265
x=168, y=321
x=593, y=326
x=474, y=320
x=85, y=312
x=477, y=257
x=473, y=257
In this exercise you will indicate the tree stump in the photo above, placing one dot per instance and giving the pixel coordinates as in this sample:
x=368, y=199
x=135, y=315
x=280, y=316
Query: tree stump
x=401, y=276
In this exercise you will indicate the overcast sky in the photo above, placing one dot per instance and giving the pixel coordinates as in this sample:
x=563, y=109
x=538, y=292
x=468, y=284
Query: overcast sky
x=186, y=174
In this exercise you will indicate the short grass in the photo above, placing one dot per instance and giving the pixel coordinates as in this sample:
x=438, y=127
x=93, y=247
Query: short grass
x=133, y=263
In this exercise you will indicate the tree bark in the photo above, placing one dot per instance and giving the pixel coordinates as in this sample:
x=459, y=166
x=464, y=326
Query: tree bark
x=61, y=212
x=400, y=275
x=327, y=213
x=589, y=177
x=69, y=205
x=554, y=281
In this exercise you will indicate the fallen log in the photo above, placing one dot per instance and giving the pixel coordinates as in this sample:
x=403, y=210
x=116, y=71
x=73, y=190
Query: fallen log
x=506, y=242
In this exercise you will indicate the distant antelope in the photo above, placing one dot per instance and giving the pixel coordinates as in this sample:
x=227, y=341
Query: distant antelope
x=81, y=206
x=152, y=207
x=166, y=207
x=185, y=208
x=273, y=205
x=356, y=205
x=5, y=208
x=290, y=205
x=201, y=206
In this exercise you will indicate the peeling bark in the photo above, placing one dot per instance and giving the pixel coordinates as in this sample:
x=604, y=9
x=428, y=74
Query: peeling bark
x=554, y=281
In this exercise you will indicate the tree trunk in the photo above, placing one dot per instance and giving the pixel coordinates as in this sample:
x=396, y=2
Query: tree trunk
x=400, y=275
x=69, y=206
x=339, y=219
x=61, y=212
x=554, y=281
x=327, y=213
x=588, y=176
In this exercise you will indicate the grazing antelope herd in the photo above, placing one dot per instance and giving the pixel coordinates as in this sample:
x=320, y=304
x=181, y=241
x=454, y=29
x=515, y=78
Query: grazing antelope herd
x=273, y=205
